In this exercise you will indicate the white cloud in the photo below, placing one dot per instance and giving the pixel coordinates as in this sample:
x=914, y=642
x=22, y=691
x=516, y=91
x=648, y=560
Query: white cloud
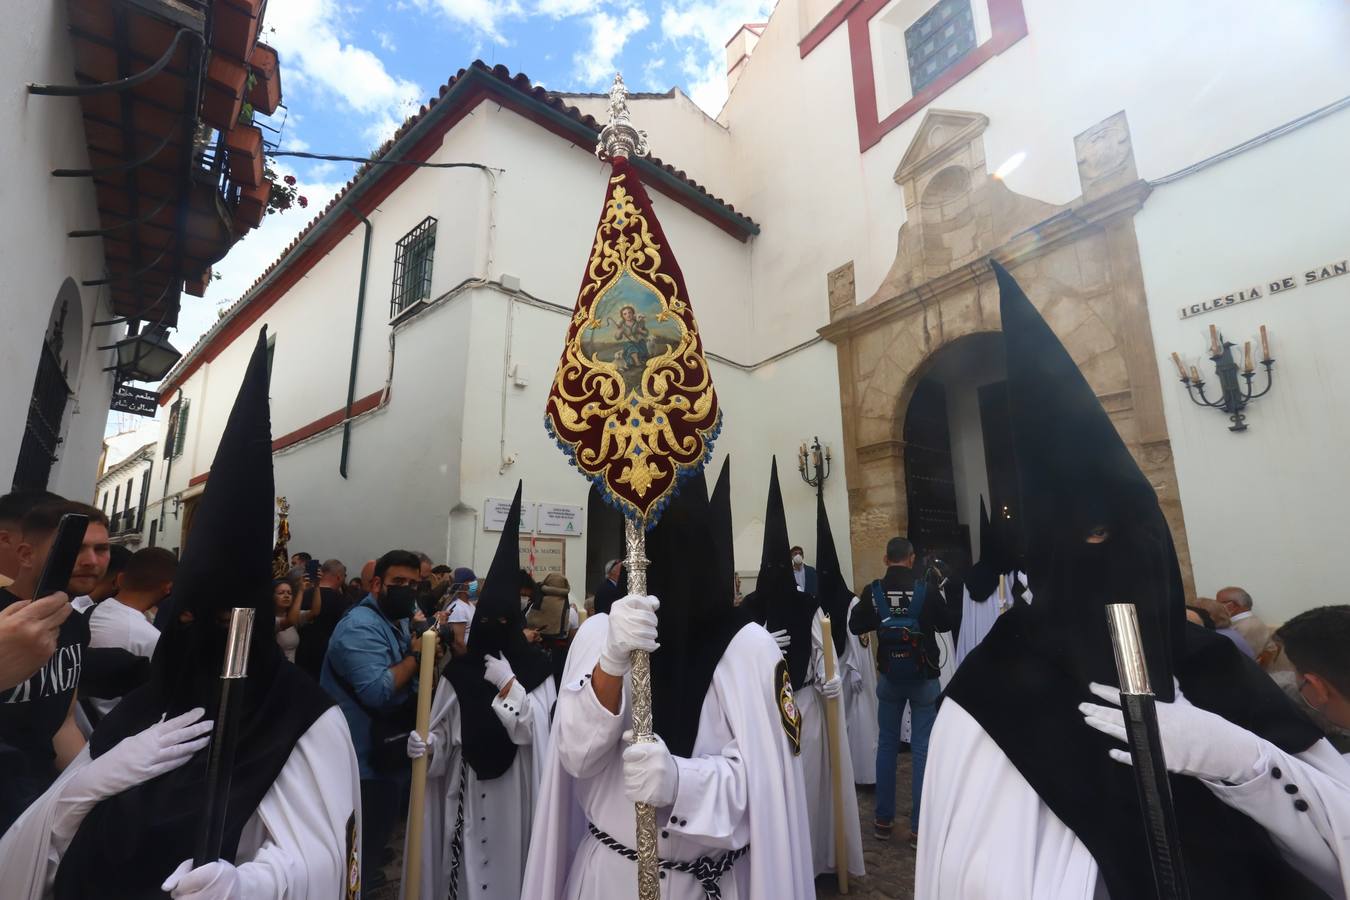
x=316, y=52
x=386, y=41
x=483, y=16
x=559, y=9
x=609, y=33
x=701, y=29
x=651, y=73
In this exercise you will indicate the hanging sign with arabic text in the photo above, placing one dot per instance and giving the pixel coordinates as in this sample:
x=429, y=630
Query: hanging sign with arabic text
x=132, y=400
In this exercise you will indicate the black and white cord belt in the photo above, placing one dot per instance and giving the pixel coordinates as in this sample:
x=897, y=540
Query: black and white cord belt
x=707, y=870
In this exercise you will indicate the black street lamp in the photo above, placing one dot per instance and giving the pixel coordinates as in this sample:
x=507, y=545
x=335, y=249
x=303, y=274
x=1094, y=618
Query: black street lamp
x=1233, y=397
x=146, y=356
x=813, y=464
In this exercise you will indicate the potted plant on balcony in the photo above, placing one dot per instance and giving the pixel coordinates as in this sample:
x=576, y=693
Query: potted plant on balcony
x=245, y=146
x=234, y=26
x=225, y=82
x=264, y=88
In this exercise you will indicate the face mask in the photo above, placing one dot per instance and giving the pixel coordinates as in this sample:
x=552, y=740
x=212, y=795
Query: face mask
x=798, y=560
x=473, y=590
x=399, y=601
x=524, y=603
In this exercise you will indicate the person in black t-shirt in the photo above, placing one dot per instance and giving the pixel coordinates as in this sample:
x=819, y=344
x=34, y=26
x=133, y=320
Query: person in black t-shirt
x=334, y=605
x=920, y=689
x=37, y=720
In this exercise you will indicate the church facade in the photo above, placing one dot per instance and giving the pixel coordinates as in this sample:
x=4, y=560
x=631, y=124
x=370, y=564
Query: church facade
x=834, y=224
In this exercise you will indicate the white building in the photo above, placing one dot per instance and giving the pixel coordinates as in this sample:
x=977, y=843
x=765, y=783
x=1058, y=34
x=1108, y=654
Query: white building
x=1125, y=163
x=123, y=492
x=114, y=199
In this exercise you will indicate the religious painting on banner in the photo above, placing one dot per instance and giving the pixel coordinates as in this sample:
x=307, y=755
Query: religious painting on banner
x=632, y=403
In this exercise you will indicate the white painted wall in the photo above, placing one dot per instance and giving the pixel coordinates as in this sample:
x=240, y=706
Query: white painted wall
x=38, y=134
x=421, y=467
x=1193, y=78
x=1265, y=509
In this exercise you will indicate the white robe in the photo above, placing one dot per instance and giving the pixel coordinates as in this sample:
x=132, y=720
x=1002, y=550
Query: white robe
x=986, y=835
x=742, y=786
x=816, y=774
x=295, y=846
x=860, y=705
x=497, y=812
x=978, y=618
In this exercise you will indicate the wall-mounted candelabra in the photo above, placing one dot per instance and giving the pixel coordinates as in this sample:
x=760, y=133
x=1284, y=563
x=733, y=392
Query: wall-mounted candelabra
x=1234, y=396
x=813, y=463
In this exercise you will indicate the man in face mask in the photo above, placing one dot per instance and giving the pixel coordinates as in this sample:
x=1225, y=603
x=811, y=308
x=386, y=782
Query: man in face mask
x=464, y=591
x=804, y=575
x=369, y=670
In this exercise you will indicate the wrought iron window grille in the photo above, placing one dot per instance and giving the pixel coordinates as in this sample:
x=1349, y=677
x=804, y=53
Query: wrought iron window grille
x=413, y=258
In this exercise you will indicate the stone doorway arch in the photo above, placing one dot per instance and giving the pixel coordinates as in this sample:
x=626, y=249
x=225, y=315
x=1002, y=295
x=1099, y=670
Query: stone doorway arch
x=1078, y=263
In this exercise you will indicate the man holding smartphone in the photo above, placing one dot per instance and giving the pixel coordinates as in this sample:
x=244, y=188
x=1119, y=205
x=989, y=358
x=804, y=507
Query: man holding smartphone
x=37, y=721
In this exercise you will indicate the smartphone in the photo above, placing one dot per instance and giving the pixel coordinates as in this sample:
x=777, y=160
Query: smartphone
x=61, y=558
x=312, y=570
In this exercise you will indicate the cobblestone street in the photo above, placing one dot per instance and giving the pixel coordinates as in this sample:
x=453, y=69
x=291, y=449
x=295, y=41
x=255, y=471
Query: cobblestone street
x=890, y=864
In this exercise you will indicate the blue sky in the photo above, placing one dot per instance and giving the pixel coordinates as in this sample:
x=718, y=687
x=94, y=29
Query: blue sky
x=352, y=70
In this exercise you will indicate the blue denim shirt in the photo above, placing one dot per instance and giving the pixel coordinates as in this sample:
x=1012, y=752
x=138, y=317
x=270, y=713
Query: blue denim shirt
x=363, y=647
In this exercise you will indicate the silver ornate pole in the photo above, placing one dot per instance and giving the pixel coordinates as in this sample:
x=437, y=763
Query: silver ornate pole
x=620, y=139
x=649, y=885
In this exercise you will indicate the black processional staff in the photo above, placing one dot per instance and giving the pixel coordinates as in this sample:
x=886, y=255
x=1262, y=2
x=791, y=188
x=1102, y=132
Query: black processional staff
x=1146, y=753
x=225, y=736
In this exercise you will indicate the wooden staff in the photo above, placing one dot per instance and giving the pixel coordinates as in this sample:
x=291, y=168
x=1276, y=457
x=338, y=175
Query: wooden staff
x=836, y=769
x=417, y=795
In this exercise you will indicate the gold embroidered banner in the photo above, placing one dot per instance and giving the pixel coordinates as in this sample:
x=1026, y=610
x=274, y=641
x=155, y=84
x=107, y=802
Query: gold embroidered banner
x=632, y=403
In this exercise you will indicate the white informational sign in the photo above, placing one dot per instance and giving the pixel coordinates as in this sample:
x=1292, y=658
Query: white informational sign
x=558, y=518
x=495, y=511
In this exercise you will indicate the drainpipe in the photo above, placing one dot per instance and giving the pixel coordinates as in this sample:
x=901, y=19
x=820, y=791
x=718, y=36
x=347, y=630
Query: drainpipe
x=356, y=341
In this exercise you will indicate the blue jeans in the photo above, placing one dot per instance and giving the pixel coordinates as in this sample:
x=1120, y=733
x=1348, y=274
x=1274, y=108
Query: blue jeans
x=922, y=698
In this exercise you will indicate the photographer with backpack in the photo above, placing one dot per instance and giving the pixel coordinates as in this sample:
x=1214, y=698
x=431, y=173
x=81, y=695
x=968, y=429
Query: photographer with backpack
x=906, y=612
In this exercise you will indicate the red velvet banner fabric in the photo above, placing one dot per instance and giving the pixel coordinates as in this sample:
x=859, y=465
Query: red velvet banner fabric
x=632, y=403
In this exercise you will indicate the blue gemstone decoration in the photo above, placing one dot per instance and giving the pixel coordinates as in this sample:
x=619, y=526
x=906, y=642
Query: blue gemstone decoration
x=635, y=423
x=637, y=451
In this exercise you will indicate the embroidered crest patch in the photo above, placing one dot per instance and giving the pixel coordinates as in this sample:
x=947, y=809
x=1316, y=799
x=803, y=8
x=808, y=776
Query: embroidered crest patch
x=353, y=860
x=787, y=707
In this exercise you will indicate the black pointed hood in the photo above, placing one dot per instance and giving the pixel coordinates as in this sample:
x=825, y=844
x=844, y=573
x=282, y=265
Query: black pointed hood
x=776, y=603
x=1078, y=476
x=131, y=842
x=834, y=592
x=724, y=537
x=499, y=597
x=983, y=577
x=688, y=572
x=497, y=630
x=1025, y=680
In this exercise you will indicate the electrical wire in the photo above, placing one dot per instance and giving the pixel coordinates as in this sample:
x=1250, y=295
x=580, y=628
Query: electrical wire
x=333, y=157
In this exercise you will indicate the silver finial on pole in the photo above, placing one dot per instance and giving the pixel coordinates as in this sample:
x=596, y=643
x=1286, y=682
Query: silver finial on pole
x=619, y=138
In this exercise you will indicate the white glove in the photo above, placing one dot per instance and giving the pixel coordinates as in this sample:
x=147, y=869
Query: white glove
x=418, y=748
x=632, y=626
x=497, y=671
x=781, y=636
x=831, y=687
x=1194, y=741
x=649, y=772
x=135, y=760
x=855, y=681
x=214, y=881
